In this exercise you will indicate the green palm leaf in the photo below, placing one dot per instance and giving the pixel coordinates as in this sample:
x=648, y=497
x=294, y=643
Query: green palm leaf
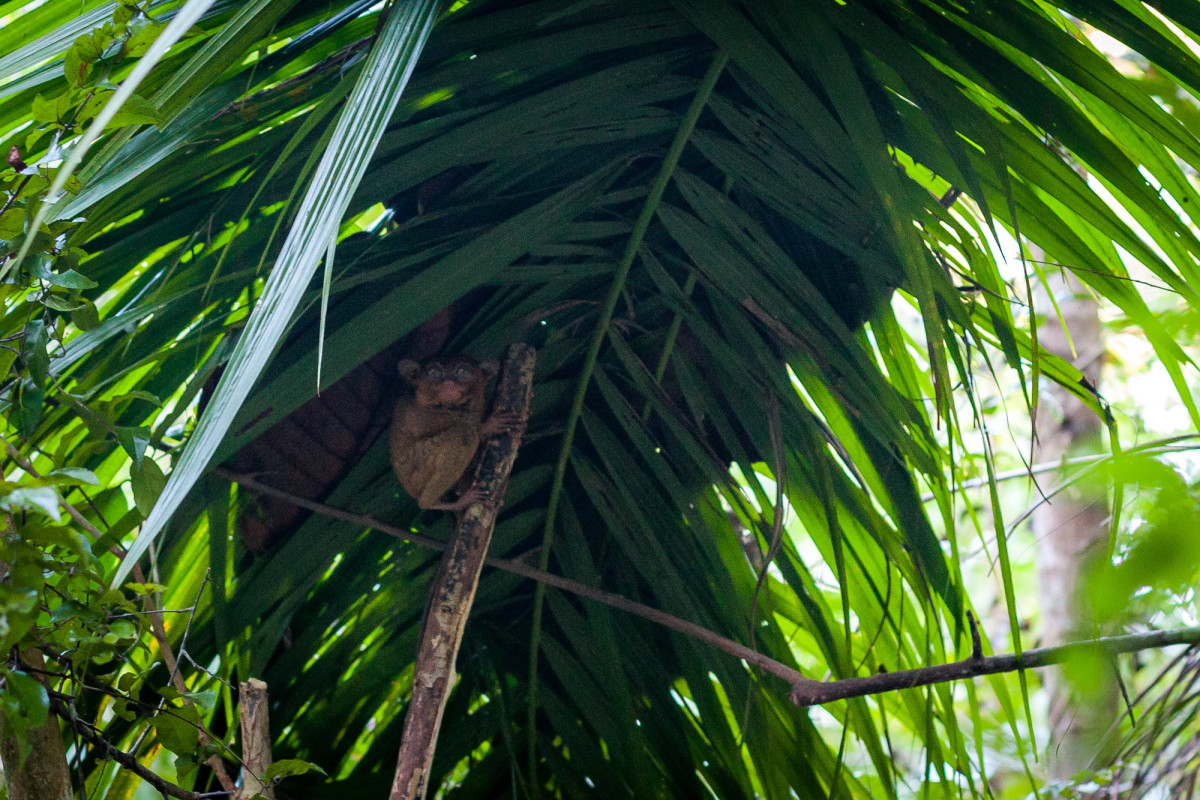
x=694, y=209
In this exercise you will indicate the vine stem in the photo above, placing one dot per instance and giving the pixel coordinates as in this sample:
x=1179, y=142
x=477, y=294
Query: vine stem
x=649, y=209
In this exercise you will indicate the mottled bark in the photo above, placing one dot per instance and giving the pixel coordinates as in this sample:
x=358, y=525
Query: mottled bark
x=1071, y=530
x=256, y=739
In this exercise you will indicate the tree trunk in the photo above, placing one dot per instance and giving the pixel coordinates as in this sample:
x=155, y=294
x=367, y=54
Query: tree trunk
x=45, y=774
x=1071, y=529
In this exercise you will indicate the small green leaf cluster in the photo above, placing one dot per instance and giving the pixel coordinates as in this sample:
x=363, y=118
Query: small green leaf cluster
x=178, y=728
x=90, y=67
x=53, y=602
x=45, y=293
x=90, y=645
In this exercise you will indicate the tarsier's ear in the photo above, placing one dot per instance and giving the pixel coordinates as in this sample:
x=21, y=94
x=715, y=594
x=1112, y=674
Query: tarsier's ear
x=409, y=370
x=490, y=368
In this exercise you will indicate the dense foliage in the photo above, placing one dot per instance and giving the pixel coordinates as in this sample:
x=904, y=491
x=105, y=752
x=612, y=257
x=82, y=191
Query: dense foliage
x=710, y=217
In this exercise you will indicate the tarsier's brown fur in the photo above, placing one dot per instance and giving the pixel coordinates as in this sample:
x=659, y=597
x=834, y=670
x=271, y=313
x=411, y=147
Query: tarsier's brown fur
x=438, y=427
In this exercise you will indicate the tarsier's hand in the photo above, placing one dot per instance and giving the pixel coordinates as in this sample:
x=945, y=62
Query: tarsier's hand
x=503, y=422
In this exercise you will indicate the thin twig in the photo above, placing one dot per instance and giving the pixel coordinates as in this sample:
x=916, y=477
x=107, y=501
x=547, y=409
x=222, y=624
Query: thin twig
x=214, y=762
x=73, y=512
x=775, y=426
x=1168, y=444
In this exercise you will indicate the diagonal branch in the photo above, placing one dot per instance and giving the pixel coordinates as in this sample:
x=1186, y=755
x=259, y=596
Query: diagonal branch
x=518, y=567
x=126, y=760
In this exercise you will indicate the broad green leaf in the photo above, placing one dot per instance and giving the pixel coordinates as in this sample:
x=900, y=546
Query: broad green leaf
x=30, y=694
x=177, y=730
x=12, y=223
x=287, y=767
x=41, y=499
x=148, y=480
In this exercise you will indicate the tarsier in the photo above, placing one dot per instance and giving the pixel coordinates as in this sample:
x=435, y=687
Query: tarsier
x=438, y=427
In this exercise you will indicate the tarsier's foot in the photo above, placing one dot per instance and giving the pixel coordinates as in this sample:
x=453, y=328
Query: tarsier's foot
x=503, y=422
x=474, y=494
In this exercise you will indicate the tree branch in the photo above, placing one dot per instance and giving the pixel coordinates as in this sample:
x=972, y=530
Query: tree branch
x=452, y=592
x=811, y=693
x=805, y=691
x=254, y=715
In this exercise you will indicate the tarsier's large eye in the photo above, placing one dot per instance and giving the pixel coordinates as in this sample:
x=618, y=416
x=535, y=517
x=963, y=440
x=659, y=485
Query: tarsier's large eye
x=464, y=372
x=434, y=371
